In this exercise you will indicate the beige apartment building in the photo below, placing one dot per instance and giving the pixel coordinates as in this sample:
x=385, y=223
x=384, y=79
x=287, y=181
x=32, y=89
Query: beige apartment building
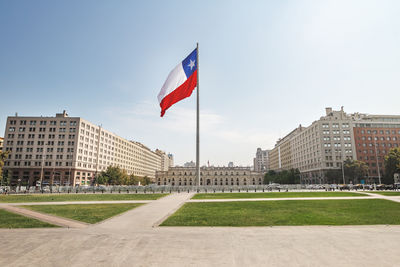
x=166, y=160
x=323, y=145
x=1, y=143
x=335, y=137
x=211, y=176
x=318, y=148
x=281, y=156
x=65, y=150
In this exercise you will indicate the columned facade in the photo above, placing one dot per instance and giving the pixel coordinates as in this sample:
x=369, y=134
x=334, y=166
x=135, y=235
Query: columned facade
x=210, y=176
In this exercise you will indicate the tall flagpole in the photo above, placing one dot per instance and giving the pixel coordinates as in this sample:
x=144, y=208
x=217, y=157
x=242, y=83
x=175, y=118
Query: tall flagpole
x=198, y=124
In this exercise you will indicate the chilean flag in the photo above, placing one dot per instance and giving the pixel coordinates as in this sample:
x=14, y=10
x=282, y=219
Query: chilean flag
x=180, y=83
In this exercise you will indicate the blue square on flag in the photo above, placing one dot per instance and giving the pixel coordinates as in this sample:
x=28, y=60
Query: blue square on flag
x=189, y=64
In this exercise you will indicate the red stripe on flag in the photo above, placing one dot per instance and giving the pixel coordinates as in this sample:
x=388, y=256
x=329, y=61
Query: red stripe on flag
x=183, y=91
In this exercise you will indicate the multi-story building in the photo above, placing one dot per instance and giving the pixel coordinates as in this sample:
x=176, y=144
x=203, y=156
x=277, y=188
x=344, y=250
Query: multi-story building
x=166, y=160
x=335, y=137
x=70, y=151
x=261, y=161
x=374, y=136
x=211, y=176
x=323, y=145
x=280, y=156
x=1, y=143
x=189, y=164
x=171, y=160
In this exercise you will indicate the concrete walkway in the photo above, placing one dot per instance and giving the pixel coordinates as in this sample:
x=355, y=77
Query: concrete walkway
x=203, y=246
x=147, y=216
x=52, y=219
x=391, y=198
x=131, y=239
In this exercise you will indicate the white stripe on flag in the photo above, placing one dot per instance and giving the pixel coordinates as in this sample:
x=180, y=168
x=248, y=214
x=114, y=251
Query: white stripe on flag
x=175, y=79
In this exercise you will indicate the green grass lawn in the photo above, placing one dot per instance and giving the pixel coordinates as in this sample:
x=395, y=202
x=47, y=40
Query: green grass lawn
x=89, y=213
x=13, y=220
x=274, y=195
x=386, y=193
x=76, y=197
x=287, y=212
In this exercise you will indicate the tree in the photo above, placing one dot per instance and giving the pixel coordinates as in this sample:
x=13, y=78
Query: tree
x=3, y=157
x=133, y=180
x=291, y=176
x=146, y=180
x=334, y=176
x=294, y=176
x=355, y=170
x=116, y=176
x=269, y=177
x=392, y=165
x=113, y=176
x=6, y=178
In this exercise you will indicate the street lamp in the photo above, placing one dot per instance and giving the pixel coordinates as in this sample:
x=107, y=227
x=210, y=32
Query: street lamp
x=41, y=172
x=376, y=157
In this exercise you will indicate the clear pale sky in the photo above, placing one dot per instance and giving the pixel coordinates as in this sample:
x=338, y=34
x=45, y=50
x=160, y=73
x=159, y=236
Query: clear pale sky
x=265, y=67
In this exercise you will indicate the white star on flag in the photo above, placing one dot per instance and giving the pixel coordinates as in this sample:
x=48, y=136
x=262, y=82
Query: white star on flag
x=191, y=64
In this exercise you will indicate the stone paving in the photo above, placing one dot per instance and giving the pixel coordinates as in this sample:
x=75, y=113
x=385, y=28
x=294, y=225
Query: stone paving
x=133, y=239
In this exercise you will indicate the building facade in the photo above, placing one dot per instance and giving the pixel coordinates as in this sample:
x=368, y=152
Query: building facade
x=209, y=176
x=189, y=164
x=335, y=137
x=261, y=161
x=65, y=150
x=280, y=156
x=167, y=160
x=1, y=143
x=171, y=160
x=374, y=136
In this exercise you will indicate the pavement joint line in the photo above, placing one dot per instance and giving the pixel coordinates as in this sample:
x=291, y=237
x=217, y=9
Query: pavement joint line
x=76, y=202
x=44, y=217
x=160, y=221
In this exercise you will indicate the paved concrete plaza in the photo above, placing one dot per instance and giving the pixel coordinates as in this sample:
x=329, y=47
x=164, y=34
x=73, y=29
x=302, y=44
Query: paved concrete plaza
x=133, y=239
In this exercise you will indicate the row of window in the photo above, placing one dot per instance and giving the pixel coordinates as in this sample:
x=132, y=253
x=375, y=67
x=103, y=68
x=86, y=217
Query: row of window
x=40, y=149
x=40, y=136
x=379, y=145
x=371, y=158
x=372, y=151
x=209, y=182
x=38, y=163
x=42, y=129
x=335, y=132
x=337, y=145
x=335, y=125
x=382, y=138
x=34, y=122
x=380, y=131
x=336, y=138
x=208, y=173
x=31, y=143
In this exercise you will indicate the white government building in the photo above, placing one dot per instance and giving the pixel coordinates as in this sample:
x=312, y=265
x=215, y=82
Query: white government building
x=210, y=176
